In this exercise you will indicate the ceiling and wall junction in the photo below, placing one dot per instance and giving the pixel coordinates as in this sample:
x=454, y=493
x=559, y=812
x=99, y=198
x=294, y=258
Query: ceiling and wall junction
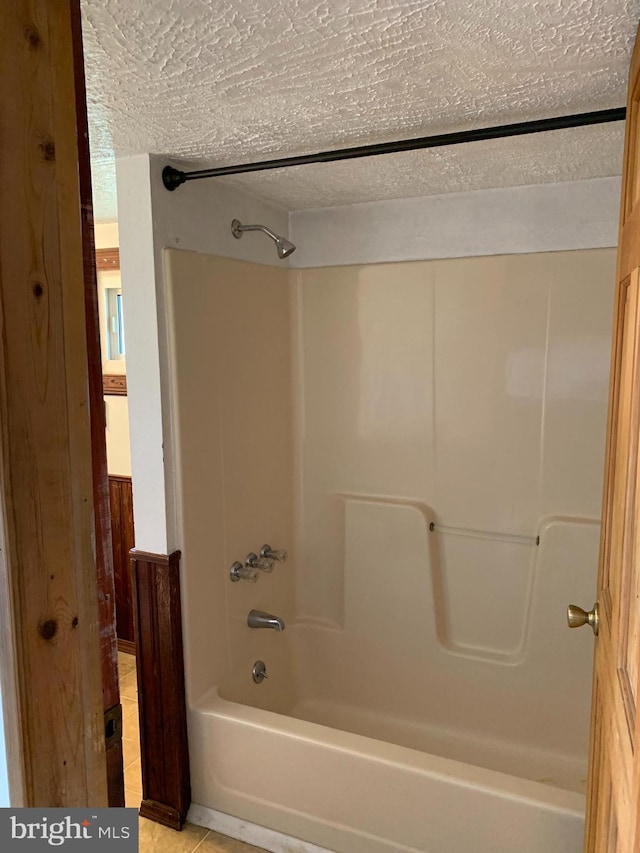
x=214, y=83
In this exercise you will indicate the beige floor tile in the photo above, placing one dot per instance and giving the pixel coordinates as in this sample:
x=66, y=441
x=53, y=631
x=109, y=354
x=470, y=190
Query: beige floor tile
x=131, y=731
x=130, y=712
x=216, y=843
x=129, y=686
x=130, y=751
x=132, y=799
x=131, y=723
x=133, y=777
x=155, y=838
x=126, y=664
x=129, y=706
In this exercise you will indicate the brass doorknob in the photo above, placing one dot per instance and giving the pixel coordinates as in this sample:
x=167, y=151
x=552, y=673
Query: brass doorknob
x=577, y=617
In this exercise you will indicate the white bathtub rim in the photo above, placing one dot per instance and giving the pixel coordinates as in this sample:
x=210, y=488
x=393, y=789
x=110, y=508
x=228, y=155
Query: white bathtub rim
x=436, y=767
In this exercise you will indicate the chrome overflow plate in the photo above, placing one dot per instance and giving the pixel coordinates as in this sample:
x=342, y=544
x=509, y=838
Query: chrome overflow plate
x=259, y=671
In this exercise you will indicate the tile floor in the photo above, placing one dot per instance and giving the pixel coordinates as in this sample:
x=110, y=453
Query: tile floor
x=155, y=838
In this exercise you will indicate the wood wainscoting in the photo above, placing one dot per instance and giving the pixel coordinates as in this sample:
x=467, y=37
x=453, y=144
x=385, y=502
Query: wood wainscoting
x=123, y=540
x=164, y=752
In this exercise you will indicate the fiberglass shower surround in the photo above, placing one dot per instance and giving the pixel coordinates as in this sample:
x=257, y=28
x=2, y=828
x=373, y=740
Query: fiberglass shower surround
x=417, y=468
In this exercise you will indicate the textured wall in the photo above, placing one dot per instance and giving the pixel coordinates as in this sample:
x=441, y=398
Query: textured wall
x=511, y=220
x=240, y=79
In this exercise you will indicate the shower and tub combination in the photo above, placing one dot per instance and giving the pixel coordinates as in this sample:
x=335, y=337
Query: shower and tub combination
x=426, y=439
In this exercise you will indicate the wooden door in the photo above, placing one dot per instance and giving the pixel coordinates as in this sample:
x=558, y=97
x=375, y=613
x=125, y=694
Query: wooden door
x=613, y=810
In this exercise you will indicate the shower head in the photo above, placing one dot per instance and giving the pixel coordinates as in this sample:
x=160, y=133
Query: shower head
x=283, y=247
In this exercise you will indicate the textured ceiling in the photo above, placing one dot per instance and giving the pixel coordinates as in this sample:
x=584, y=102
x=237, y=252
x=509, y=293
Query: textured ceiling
x=224, y=81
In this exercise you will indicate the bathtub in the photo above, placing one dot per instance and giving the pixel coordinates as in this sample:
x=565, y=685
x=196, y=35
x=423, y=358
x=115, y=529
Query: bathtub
x=363, y=741
x=354, y=794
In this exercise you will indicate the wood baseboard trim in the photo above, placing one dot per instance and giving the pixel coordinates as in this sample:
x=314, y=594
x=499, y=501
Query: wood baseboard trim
x=127, y=646
x=164, y=751
x=160, y=813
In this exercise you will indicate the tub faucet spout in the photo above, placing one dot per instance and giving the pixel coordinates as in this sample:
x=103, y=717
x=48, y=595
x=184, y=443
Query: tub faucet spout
x=260, y=619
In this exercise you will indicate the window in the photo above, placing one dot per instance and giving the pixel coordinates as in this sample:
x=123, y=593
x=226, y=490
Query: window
x=115, y=325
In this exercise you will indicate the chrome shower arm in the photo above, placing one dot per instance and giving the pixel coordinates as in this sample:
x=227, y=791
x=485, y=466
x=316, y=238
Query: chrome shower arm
x=284, y=247
x=263, y=228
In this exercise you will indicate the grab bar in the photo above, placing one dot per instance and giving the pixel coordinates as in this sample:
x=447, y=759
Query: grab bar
x=484, y=534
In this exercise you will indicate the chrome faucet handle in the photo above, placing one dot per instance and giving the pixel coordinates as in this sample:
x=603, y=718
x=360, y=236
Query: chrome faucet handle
x=238, y=572
x=264, y=564
x=268, y=552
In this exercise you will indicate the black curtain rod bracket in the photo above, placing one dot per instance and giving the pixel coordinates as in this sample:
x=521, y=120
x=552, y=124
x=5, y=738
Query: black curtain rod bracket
x=173, y=178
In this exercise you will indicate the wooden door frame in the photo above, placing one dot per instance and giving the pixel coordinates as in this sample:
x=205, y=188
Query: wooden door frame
x=54, y=502
x=53, y=506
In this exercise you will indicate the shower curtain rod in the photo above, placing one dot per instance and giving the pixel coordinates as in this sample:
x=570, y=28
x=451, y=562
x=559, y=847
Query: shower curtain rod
x=172, y=178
